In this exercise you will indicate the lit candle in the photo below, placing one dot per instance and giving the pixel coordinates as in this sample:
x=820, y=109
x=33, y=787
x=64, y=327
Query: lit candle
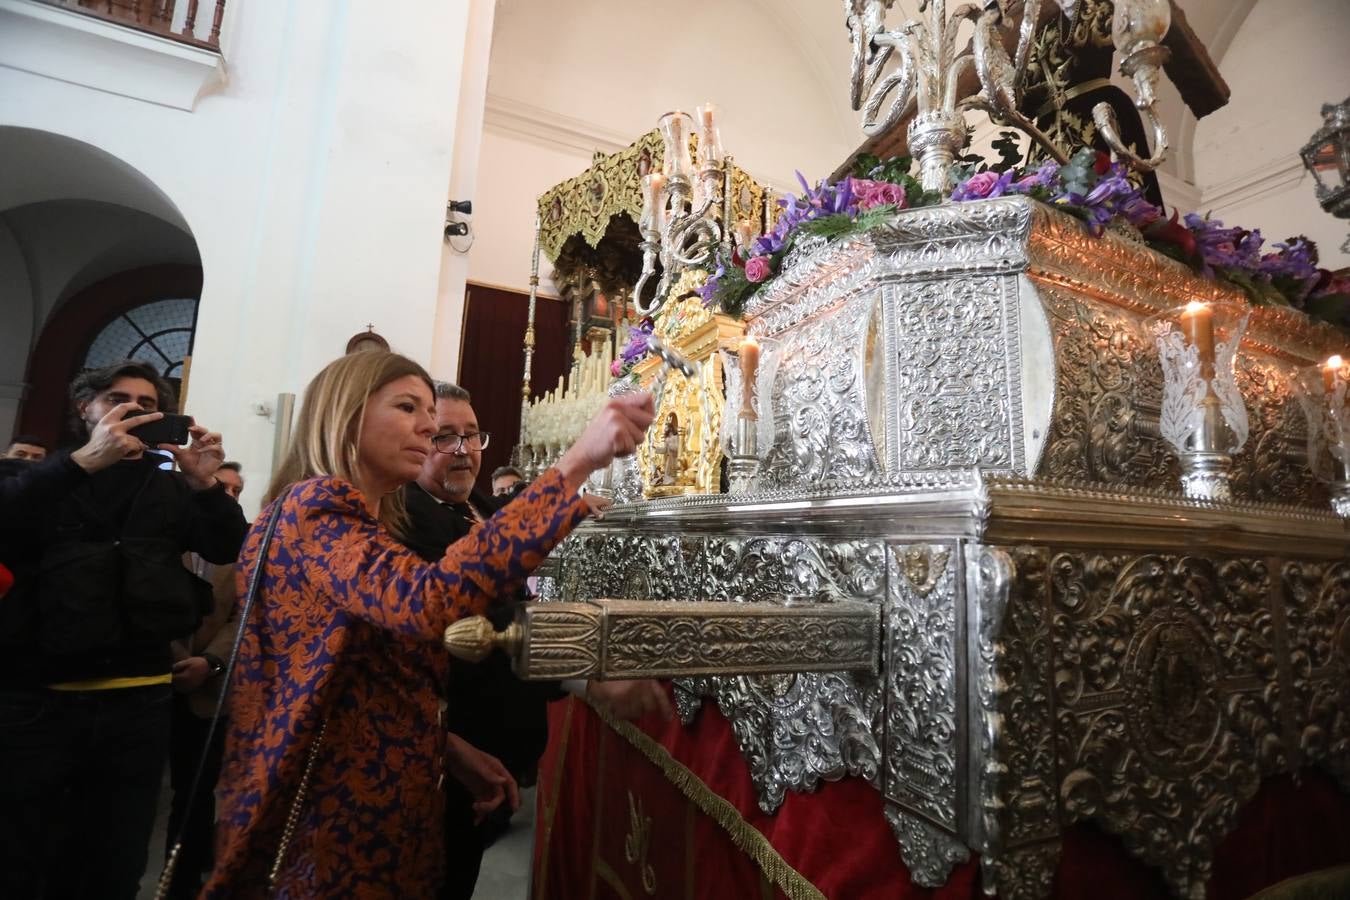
x=709, y=141
x=749, y=366
x=653, y=200
x=1330, y=368
x=1197, y=324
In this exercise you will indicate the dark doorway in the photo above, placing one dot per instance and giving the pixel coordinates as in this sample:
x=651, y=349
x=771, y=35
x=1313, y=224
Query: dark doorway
x=492, y=364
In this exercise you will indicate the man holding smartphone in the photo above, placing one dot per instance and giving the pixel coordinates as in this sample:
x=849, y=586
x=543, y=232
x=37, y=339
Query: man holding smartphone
x=95, y=539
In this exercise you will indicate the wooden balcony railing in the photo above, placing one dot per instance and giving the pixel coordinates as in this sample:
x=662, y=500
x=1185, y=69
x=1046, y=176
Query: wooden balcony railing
x=177, y=20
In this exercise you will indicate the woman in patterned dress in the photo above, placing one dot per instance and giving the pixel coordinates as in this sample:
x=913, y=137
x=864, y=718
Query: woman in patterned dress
x=335, y=717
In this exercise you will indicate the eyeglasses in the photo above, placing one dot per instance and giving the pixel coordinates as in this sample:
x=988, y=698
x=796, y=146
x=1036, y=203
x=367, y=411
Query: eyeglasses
x=453, y=443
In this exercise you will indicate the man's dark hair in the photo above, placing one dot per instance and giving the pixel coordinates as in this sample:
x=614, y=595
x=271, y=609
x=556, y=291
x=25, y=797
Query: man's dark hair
x=29, y=440
x=89, y=384
x=446, y=390
x=507, y=470
x=233, y=466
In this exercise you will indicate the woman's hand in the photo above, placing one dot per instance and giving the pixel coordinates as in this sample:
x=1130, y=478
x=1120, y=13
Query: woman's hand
x=615, y=431
x=483, y=776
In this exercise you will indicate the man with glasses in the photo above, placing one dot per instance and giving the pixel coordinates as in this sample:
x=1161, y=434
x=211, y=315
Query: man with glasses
x=489, y=707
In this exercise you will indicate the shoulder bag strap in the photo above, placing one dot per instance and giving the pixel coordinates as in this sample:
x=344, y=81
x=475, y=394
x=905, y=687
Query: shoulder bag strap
x=254, y=581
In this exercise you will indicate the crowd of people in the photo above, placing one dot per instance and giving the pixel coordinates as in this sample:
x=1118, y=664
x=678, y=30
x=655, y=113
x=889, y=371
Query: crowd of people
x=288, y=675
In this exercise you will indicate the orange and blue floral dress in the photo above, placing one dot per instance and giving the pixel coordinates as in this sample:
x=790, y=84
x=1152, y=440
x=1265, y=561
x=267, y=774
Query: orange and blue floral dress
x=339, y=673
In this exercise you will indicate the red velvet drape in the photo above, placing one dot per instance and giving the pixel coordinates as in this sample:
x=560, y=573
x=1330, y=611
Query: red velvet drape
x=492, y=363
x=837, y=836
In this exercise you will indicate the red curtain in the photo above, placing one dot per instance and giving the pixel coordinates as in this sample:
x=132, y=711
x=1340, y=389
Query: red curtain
x=837, y=837
x=492, y=363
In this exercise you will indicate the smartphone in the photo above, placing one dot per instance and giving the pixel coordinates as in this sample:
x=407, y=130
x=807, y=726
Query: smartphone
x=172, y=429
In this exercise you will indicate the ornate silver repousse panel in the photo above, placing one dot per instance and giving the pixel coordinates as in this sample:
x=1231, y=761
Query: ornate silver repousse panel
x=796, y=730
x=1273, y=465
x=920, y=783
x=1012, y=764
x=820, y=412
x=1107, y=397
x=1317, y=626
x=1165, y=717
x=793, y=729
x=954, y=374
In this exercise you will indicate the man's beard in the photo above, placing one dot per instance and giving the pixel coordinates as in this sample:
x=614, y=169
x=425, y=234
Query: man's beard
x=458, y=481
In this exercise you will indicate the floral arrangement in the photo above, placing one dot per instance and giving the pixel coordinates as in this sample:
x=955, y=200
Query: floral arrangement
x=1090, y=186
x=1099, y=192
x=873, y=192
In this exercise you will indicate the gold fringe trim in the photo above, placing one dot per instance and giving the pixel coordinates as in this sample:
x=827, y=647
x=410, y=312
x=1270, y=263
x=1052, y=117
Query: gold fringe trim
x=744, y=835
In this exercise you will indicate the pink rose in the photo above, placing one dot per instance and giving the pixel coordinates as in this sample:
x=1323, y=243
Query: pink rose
x=757, y=269
x=616, y=368
x=878, y=193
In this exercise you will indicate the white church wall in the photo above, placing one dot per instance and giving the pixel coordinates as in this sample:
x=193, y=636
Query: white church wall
x=16, y=311
x=570, y=78
x=313, y=182
x=1287, y=59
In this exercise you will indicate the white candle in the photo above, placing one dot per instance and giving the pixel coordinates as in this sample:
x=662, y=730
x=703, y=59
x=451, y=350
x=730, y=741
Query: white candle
x=709, y=141
x=653, y=201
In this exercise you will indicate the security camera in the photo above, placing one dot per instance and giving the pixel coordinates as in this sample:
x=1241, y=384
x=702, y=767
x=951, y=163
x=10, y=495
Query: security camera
x=456, y=229
x=460, y=206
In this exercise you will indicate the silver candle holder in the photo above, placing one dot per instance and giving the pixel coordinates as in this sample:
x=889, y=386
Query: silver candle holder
x=747, y=419
x=1324, y=394
x=1203, y=415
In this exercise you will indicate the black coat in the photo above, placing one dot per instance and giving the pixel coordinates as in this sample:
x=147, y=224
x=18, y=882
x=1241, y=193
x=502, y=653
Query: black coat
x=97, y=557
x=488, y=705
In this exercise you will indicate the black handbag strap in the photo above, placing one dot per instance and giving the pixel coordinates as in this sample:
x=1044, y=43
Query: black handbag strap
x=254, y=582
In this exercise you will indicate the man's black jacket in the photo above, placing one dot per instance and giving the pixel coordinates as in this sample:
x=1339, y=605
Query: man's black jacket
x=54, y=518
x=489, y=706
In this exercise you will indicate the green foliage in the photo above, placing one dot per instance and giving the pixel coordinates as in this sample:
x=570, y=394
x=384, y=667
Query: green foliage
x=894, y=170
x=842, y=224
x=1079, y=176
x=1259, y=292
x=733, y=289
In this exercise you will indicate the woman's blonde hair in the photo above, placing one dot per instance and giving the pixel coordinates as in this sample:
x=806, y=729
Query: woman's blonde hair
x=332, y=415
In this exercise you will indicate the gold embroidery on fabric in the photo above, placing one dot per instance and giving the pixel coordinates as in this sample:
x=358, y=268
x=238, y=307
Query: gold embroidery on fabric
x=744, y=835
x=638, y=841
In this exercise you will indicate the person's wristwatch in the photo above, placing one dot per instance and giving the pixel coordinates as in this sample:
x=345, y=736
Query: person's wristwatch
x=214, y=662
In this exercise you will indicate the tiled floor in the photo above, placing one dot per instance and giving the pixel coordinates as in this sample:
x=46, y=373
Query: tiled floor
x=506, y=865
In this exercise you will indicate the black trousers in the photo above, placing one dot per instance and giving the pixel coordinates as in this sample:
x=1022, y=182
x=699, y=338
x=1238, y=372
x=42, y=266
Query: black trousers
x=79, y=780
x=463, y=844
x=185, y=753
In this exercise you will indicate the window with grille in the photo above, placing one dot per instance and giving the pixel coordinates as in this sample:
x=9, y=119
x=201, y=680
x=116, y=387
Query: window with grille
x=159, y=333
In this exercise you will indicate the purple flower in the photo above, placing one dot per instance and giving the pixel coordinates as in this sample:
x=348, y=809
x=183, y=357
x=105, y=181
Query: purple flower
x=758, y=269
x=1229, y=248
x=1139, y=212
x=1294, y=258
x=708, y=290
x=1045, y=177
x=983, y=185
x=637, y=346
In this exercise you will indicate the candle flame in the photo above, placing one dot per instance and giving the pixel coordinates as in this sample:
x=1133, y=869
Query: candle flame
x=1334, y=362
x=1195, y=306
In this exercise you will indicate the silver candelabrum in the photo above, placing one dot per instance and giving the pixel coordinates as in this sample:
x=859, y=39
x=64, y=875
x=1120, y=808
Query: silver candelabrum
x=1203, y=415
x=679, y=223
x=926, y=83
